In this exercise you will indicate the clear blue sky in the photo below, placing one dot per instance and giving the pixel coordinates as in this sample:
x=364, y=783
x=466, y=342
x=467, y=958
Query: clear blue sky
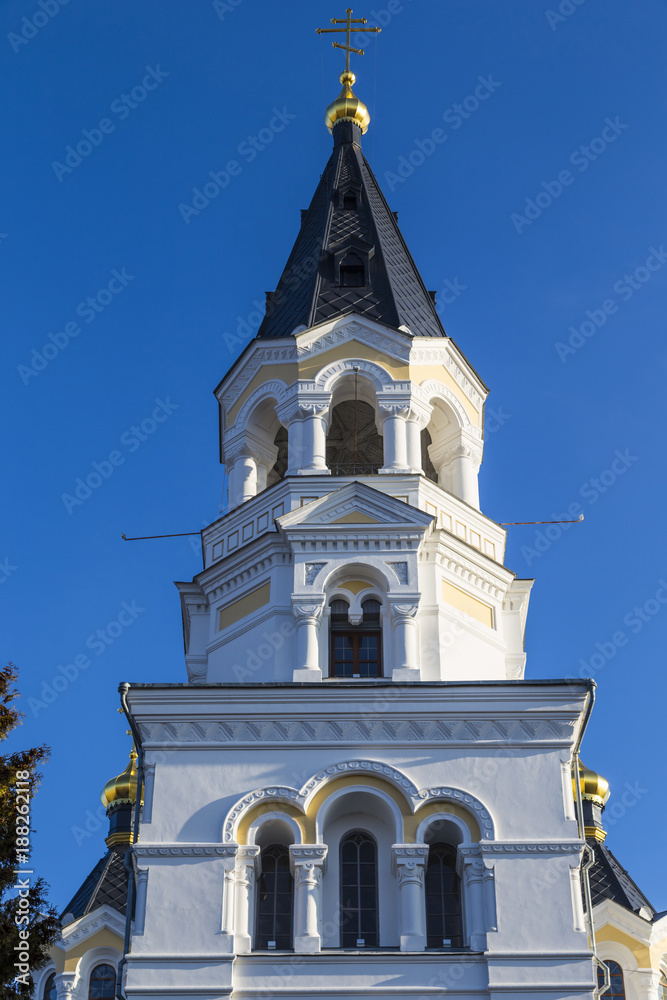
x=555, y=423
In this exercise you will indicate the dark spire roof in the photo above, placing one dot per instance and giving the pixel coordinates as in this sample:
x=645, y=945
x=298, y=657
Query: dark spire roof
x=609, y=880
x=106, y=884
x=310, y=290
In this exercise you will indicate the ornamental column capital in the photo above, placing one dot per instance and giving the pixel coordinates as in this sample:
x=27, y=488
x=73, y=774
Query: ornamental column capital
x=304, y=400
x=247, y=866
x=307, y=609
x=404, y=611
x=408, y=862
x=308, y=863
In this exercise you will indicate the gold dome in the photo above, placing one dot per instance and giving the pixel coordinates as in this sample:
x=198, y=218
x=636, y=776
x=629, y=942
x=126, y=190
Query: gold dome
x=594, y=787
x=347, y=107
x=122, y=788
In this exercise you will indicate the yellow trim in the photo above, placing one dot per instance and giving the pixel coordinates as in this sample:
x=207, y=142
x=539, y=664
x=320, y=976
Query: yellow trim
x=307, y=827
x=312, y=365
x=639, y=950
x=267, y=373
x=439, y=373
x=245, y=606
x=465, y=602
x=431, y=809
x=356, y=517
x=358, y=779
x=355, y=586
x=102, y=939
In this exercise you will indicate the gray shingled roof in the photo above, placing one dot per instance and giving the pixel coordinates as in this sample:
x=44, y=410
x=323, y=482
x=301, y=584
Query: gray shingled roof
x=106, y=884
x=307, y=293
x=609, y=880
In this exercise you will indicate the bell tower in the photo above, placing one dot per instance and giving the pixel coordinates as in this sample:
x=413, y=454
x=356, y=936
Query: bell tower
x=356, y=786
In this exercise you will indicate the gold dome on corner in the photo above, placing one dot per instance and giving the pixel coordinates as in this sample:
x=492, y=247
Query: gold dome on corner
x=347, y=107
x=594, y=787
x=122, y=788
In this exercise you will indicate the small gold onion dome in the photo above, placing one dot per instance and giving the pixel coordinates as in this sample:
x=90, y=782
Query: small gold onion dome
x=122, y=788
x=594, y=788
x=347, y=107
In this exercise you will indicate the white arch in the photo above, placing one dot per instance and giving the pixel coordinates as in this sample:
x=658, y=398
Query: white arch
x=375, y=572
x=373, y=768
x=88, y=961
x=275, y=389
x=40, y=976
x=614, y=951
x=327, y=378
x=436, y=390
x=370, y=790
x=281, y=817
x=481, y=813
x=422, y=829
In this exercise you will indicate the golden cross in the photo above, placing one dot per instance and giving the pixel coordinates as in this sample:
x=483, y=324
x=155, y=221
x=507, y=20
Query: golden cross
x=348, y=22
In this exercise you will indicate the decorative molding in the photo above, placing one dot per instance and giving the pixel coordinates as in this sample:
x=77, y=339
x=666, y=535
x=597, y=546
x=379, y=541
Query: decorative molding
x=361, y=729
x=146, y=851
x=401, y=571
x=91, y=923
x=432, y=389
x=311, y=572
x=346, y=332
x=372, y=767
x=456, y=795
x=494, y=849
x=431, y=355
x=327, y=378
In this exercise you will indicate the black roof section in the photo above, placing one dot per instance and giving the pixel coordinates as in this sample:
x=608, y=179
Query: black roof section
x=609, y=880
x=106, y=884
x=309, y=291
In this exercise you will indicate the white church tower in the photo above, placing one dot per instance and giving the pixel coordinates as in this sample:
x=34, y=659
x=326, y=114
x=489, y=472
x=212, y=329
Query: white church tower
x=356, y=793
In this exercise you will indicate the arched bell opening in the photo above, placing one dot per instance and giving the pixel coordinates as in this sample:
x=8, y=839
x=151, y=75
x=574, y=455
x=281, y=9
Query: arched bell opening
x=279, y=468
x=428, y=468
x=354, y=446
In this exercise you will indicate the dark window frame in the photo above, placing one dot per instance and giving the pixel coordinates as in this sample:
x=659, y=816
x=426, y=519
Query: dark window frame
x=371, y=938
x=50, y=985
x=442, y=923
x=369, y=627
x=261, y=940
x=616, y=990
x=104, y=995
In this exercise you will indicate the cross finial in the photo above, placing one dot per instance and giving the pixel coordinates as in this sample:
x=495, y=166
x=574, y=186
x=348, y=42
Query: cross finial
x=347, y=30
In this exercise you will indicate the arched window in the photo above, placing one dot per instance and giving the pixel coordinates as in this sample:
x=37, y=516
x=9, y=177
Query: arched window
x=443, y=899
x=352, y=272
x=358, y=891
x=350, y=201
x=102, y=983
x=50, y=992
x=274, y=901
x=356, y=649
x=616, y=990
x=663, y=987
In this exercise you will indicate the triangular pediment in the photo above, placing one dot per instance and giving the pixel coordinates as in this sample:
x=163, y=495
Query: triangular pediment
x=355, y=505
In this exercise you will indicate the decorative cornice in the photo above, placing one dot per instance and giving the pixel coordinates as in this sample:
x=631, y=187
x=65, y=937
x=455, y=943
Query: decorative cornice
x=147, y=851
x=486, y=849
x=358, y=729
x=394, y=346
x=91, y=923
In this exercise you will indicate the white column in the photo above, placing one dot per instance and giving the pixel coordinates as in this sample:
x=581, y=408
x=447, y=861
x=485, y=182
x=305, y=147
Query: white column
x=247, y=869
x=141, y=875
x=414, y=445
x=395, y=437
x=228, y=907
x=473, y=876
x=307, y=615
x=408, y=864
x=646, y=983
x=406, y=661
x=314, y=431
x=308, y=864
x=294, y=446
x=242, y=480
x=65, y=983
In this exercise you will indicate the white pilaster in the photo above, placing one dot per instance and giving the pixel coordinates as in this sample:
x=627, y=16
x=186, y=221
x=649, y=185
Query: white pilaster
x=65, y=985
x=308, y=864
x=141, y=875
x=646, y=983
x=246, y=872
x=404, y=620
x=307, y=615
x=473, y=879
x=314, y=439
x=228, y=906
x=394, y=434
x=408, y=864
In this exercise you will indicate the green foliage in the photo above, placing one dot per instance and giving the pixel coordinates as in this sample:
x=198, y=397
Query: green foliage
x=42, y=927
